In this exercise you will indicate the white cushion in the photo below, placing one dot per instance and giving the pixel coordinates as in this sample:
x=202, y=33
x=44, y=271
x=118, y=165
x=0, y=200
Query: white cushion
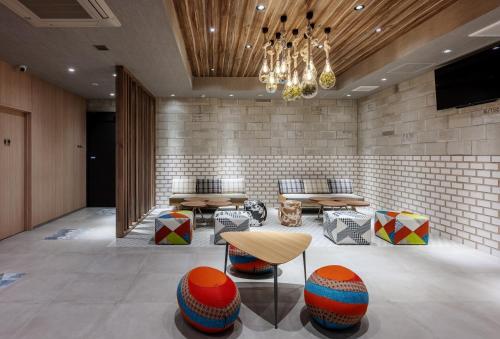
x=184, y=185
x=316, y=186
x=233, y=185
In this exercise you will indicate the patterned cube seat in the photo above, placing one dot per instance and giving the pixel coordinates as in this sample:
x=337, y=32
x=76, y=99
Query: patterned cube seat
x=174, y=228
x=402, y=228
x=290, y=213
x=347, y=227
x=257, y=210
x=230, y=221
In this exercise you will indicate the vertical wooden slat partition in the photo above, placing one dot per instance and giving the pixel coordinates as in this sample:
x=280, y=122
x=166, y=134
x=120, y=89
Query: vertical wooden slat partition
x=135, y=151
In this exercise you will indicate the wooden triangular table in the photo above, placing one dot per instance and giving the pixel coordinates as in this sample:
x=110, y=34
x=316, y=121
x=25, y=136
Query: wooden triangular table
x=276, y=248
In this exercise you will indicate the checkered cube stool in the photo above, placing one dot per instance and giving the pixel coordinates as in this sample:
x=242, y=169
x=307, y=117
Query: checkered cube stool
x=402, y=228
x=174, y=228
x=347, y=227
x=258, y=211
x=290, y=213
x=230, y=221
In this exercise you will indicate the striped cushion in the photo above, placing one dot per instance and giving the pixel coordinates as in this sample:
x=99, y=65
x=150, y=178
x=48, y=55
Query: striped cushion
x=287, y=186
x=316, y=186
x=340, y=186
x=208, y=186
x=186, y=185
x=233, y=185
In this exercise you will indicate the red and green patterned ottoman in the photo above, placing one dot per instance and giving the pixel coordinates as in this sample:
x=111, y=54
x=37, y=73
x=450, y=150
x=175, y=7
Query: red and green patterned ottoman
x=402, y=228
x=174, y=228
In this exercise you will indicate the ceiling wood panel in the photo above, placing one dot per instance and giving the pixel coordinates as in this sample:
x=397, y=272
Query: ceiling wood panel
x=237, y=24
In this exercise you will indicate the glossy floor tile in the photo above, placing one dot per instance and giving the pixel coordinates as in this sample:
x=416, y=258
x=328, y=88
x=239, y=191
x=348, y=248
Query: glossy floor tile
x=90, y=287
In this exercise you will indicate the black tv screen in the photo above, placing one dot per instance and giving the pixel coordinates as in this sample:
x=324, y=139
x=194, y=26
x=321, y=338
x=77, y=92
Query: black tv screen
x=469, y=81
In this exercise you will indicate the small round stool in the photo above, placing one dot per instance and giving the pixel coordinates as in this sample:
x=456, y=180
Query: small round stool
x=246, y=263
x=258, y=211
x=208, y=300
x=336, y=297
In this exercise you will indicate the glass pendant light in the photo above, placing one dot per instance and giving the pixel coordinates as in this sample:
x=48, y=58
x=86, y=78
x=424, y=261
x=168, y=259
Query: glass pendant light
x=309, y=84
x=327, y=78
x=287, y=93
x=264, y=69
x=271, y=84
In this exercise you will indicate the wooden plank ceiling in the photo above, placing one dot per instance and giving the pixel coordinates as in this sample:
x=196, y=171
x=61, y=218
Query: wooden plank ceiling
x=238, y=23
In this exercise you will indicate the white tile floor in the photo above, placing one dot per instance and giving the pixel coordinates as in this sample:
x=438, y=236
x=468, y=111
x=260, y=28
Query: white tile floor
x=92, y=287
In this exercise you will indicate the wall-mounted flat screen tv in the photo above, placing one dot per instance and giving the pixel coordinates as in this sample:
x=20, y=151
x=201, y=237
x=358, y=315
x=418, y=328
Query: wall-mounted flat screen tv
x=469, y=81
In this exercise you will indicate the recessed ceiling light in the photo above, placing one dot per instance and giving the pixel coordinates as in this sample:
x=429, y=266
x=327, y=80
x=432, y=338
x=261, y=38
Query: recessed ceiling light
x=248, y=46
x=348, y=95
x=259, y=95
x=446, y=51
x=320, y=46
x=378, y=29
x=71, y=69
x=211, y=29
x=260, y=7
x=111, y=94
x=383, y=79
x=231, y=95
x=212, y=69
x=114, y=74
x=359, y=7
x=172, y=95
x=203, y=95
x=94, y=84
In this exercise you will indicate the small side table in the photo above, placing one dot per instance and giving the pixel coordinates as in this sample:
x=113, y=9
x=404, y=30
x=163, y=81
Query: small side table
x=195, y=206
x=356, y=203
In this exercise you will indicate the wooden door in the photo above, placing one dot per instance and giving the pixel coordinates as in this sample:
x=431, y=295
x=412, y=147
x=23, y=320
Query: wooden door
x=12, y=173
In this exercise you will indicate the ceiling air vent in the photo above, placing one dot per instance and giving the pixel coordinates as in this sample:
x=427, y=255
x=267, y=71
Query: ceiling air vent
x=492, y=30
x=412, y=67
x=365, y=88
x=64, y=13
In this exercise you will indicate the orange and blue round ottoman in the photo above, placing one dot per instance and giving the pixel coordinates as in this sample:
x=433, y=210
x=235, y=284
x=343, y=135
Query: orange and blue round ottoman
x=243, y=262
x=208, y=299
x=336, y=297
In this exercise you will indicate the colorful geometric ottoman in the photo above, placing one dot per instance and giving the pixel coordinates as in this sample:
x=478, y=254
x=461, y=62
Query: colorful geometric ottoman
x=402, y=228
x=208, y=299
x=336, y=297
x=230, y=221
x=244, y=262
x=347, y=227
x=174, y=228
x=290, y=213
x=258, y=211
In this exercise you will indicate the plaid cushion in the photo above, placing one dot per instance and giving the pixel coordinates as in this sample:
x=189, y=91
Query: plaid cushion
x=316, y=186
x=287, y=186
x=208, y=186
x=187, y=185
x=340, y=185
x=233, y=185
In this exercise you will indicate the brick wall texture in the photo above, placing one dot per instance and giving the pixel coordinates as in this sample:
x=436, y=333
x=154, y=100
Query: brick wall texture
x=400, y=151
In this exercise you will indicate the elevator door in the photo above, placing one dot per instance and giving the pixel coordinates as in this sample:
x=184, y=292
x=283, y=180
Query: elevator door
x=12, y=173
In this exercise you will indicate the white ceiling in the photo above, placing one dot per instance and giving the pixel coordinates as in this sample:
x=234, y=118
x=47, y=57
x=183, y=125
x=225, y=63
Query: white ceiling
x=146, y=45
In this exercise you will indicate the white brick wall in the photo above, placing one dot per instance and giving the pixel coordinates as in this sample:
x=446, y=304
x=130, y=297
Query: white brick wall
x=261, y=173
x=459, y=193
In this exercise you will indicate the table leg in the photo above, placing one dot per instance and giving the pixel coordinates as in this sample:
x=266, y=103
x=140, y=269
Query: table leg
x=194, y=218
x=320, y=209
x=275, y=267
x=225, y=258
x=305, y=271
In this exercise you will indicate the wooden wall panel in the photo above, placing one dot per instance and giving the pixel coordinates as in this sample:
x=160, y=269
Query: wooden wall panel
x=135, y=151
x=57, y=133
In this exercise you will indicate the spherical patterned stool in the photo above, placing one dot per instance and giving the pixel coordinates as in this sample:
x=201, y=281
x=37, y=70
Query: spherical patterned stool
x=244, y=262
x=258, y=211
x=208, y=299
x=336, y=297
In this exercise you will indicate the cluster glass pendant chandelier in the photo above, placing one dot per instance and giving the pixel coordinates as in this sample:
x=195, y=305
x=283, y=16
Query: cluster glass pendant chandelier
x=286, y=53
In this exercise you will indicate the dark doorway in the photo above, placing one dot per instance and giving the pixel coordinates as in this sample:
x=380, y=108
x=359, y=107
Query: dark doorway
x=100, y=159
